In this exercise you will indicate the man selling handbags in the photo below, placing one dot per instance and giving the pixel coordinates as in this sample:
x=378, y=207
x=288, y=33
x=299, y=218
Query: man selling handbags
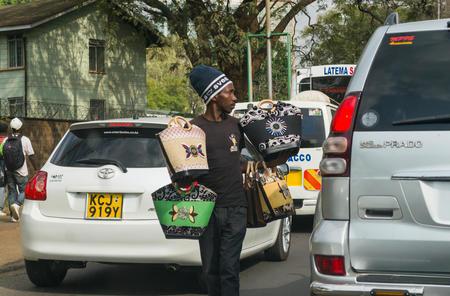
x=221, y=243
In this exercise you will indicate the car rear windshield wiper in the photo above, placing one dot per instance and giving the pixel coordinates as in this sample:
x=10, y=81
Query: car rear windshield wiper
x=103, y=161
x=424, y=120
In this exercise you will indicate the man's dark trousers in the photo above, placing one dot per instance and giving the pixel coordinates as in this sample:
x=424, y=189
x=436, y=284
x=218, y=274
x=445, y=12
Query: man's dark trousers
x=220, y=248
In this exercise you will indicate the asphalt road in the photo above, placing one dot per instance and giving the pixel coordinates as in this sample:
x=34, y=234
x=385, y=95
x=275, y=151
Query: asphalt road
x=258, y=277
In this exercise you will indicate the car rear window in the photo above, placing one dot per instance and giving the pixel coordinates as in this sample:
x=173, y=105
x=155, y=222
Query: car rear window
x=132, y=147
x=408, y=87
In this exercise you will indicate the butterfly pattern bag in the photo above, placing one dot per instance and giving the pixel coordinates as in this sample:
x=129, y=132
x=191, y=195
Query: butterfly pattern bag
x=184, y=213
x=273, y=127
x=184, y=149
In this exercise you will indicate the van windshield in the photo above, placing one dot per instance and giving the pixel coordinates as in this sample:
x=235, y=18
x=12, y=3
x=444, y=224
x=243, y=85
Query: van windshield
x=408, y=87
x=132, y=147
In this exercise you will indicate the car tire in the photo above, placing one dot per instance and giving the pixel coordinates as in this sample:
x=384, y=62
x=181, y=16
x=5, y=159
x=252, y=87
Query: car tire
x=280, y=251
x=46, y=273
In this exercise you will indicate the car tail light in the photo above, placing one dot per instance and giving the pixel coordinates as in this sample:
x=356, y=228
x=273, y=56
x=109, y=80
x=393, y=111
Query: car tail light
x=36, y=188
x=330, y=265
x=121, y=124
x=337, y=147
x=343, y=118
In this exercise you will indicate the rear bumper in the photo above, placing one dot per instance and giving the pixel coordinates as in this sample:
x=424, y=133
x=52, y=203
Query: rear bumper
x=322, y=289
x=304, y=201
x=137, y=241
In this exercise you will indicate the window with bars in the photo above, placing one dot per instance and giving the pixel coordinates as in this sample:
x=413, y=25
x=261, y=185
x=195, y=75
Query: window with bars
x=15, y=51
x=96, y=56
x=97, y=109
x=16, y=107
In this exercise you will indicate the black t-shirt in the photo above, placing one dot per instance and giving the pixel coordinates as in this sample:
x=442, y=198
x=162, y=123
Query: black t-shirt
x=224, y=142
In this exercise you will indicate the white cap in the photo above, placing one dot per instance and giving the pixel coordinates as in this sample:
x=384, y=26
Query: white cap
x=15, y=123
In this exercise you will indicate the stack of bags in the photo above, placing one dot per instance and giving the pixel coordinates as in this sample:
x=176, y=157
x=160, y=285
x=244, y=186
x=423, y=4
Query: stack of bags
x=184, y=206
x=273, y=129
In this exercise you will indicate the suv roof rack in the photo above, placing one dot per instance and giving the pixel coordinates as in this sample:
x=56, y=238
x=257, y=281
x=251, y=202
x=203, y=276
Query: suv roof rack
x=392, y=19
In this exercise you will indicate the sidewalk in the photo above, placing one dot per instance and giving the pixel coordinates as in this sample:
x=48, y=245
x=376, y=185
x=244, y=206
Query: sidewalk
x=10, y=247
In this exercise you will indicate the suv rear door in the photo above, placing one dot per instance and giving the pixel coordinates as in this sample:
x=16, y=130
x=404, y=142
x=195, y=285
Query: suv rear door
x=78, y=168
x=400, y=161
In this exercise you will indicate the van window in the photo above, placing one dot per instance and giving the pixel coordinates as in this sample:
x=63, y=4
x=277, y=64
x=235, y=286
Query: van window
x=408, y=85
x=313, y=128
x=133, y=147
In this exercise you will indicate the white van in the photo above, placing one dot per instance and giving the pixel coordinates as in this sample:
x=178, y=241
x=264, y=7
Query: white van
x=304, y=179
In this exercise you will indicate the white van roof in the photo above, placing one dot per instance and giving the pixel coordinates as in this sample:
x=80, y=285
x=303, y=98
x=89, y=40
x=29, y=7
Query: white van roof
x=312, y=95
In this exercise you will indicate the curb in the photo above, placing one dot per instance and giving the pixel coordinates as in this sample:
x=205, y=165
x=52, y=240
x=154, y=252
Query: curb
x=13, y=266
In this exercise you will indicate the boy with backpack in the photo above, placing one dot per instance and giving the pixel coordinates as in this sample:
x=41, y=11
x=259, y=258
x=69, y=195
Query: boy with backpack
x=15, y=150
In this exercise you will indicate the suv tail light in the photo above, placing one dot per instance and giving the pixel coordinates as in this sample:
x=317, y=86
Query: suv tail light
x=330, y=265
x=36, y=188
x=336, y=148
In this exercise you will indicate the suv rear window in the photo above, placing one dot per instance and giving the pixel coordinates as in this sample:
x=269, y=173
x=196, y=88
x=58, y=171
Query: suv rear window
x=408, y=85
x=132, y=147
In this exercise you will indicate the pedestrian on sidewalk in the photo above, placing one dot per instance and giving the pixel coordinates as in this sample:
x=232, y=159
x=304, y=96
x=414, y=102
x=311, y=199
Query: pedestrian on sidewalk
x=3, y=134
x=16, y=150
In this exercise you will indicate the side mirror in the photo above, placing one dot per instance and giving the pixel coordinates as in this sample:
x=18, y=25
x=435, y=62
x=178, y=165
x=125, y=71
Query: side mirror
x=284, y=168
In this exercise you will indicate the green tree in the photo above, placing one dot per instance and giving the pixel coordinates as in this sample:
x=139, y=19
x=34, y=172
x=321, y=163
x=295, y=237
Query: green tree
x=10, y=2
x=167, y=82
x=340, y=34
x=213, y=32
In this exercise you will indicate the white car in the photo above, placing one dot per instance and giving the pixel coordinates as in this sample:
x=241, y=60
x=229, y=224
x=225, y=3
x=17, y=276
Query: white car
x=91, y=202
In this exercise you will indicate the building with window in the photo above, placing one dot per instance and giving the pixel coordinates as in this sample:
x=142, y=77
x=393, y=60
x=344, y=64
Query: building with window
x=72, y=59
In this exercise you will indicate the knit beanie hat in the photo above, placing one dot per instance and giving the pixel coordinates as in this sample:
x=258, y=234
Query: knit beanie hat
x=208, y=81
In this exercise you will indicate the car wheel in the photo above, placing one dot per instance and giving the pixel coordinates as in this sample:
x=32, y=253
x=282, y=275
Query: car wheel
x=280, y=251
x=46, y=273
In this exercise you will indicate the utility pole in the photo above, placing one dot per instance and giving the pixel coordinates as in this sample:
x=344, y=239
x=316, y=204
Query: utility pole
x=269, y=51
x=438, y=9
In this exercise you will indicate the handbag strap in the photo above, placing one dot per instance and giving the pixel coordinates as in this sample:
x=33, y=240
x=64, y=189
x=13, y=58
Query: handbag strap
x=181, y=122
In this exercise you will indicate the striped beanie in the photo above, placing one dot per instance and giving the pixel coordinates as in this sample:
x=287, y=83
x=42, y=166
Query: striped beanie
x=208, y=81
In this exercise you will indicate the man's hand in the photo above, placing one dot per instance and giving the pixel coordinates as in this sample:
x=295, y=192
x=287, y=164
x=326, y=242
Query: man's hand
x=282, y=158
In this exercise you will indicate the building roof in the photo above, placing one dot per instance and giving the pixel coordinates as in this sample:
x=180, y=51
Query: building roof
x=30, y=15
x=36, y=12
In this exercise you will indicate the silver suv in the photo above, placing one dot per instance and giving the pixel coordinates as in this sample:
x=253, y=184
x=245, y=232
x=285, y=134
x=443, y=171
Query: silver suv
x=384, y=221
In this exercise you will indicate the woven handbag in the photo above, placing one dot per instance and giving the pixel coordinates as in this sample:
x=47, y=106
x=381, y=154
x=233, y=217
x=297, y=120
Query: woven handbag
x=273, y=127
x=184, y=149
x=184, y=213
x=278, y=202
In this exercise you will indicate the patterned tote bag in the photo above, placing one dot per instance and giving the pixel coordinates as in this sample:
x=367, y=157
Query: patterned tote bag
x=277, y=202
x=184, y=212
x=273, y=127
x=184, y=149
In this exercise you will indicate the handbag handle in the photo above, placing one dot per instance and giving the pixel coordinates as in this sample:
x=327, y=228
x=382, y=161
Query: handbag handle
x=268, y=102
x=181, y=122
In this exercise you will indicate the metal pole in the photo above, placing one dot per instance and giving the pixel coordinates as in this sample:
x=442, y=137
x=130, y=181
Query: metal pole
x=249, y=70
x=438, y=9
x=288, y=44
x=269, y=51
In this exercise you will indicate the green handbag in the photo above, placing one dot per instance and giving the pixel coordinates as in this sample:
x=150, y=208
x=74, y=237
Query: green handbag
x=184, y=212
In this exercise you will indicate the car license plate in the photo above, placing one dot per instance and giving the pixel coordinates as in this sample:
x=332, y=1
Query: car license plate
x=107, y=206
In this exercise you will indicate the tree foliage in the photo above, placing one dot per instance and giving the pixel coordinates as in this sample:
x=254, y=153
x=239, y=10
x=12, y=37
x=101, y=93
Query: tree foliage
x=213, y=32
x=167, y=83
x=342, y=32
x=10, y=2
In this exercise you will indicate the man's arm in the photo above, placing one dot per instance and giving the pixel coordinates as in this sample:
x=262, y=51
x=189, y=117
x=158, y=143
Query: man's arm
x=33, y=161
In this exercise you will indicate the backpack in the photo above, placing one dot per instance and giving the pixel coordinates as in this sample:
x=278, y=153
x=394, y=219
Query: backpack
x=13, y=153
